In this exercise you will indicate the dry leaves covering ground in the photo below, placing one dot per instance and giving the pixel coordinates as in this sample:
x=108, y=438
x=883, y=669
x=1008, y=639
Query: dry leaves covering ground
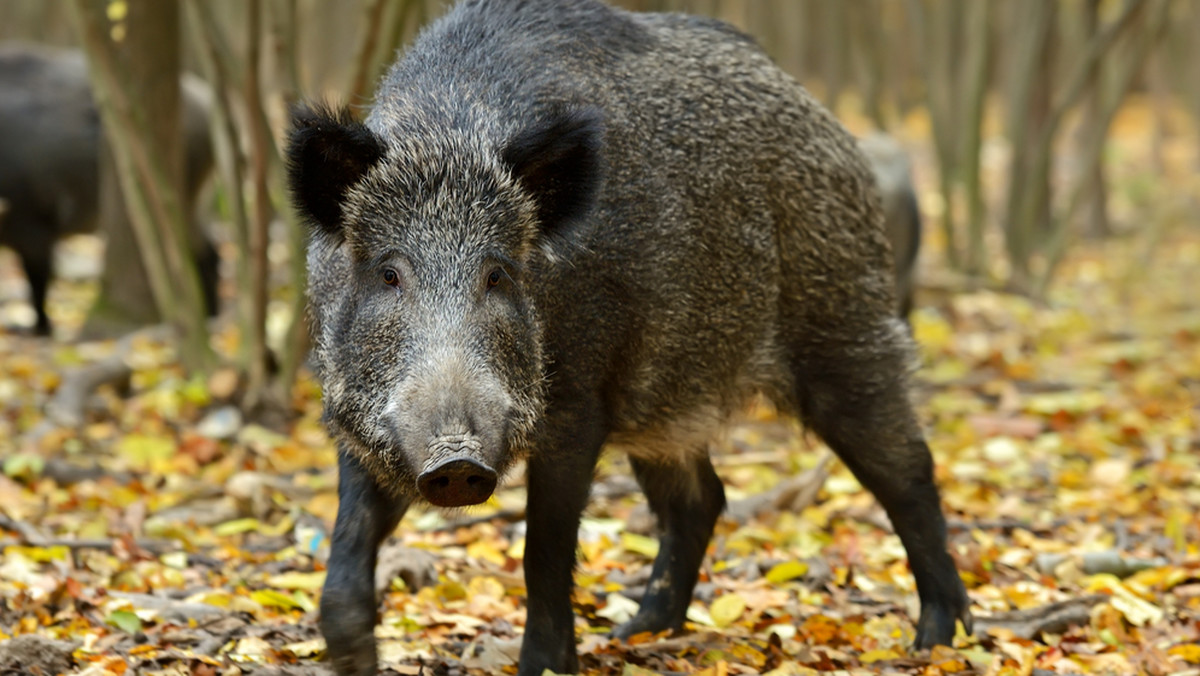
x=167, y=536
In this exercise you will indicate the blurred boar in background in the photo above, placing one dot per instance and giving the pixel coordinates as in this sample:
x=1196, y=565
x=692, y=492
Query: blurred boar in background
x=901, y=213
x=50, y=141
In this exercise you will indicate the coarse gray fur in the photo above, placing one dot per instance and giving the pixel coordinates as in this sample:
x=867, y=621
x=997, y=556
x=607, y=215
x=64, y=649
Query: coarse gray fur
x=706, y=232
x=901, y=212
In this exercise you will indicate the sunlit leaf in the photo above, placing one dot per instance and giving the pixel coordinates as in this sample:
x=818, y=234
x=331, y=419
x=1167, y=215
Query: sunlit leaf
x=297, y=580
x=788, y=570
x=125, y=620
x=726, y=609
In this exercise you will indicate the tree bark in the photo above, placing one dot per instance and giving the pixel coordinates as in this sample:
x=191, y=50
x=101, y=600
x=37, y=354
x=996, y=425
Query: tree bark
x=1094, y=219
x=142, y=144
x=149, y=54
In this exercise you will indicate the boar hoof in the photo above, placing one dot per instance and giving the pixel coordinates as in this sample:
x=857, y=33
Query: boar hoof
x=936, y=625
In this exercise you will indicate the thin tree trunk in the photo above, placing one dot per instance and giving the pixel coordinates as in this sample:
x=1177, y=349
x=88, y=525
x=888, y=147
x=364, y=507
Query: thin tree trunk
x=974, y=88
x=1029, y=70
x=362, y=83
x=1127, y=70
x=836, y=54
x=869, y=47
x=150, y=178
x=933, y=54
x=1036, y=192
x=1094, y=216
x=260, y=221
x=125, y=301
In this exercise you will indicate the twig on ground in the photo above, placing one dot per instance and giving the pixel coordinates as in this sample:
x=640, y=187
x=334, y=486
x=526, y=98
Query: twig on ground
x=792, y=494
x=29, y=536
x=27, y=532
x=1051, y=618
x=69, y=404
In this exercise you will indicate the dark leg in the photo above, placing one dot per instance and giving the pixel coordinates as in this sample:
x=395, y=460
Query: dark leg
x=560, y=475
x=37, y=269
x=857, y=401
x=208, y=265
x=366, y=516
x=687, y=498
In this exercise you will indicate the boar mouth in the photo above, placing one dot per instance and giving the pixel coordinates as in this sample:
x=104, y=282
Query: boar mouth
x=455, y=472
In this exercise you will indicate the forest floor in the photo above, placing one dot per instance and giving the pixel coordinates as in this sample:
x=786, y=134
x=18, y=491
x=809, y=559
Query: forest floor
x=165, y=535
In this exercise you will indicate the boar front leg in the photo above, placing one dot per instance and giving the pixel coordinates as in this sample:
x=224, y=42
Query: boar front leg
x=560, y=476
x=366, y=515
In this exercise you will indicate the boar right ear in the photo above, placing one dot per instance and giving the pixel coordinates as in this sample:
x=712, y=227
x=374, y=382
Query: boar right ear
x=328, y=152
x=558, y=161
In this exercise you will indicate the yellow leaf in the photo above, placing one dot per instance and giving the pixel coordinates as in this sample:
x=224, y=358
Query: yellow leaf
x=1188, y=652
x=270, y=597
x=727, y=609
x=39, y=554
x=237, y=526
x=486, y=551
x=791, y=669
x=640, y=544
x=297, y=580
x=788, y=570
x=747, y=654
x=878, y=656
x=145, y=452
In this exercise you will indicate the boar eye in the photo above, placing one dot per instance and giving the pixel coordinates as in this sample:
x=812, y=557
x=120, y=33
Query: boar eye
x=391, y=277
x=493, y=279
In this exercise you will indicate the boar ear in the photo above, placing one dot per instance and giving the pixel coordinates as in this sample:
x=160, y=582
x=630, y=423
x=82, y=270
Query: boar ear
x=558, y=161
x=328, y=152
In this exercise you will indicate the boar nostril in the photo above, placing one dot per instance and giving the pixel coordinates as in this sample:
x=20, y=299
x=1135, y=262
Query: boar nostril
x=457, y=482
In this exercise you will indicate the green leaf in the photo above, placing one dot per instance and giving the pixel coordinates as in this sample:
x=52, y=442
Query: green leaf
x=125, y=620
x=24, y=465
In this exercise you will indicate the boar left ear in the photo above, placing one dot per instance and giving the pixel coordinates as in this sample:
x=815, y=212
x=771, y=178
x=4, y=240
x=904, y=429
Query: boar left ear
x=328, y=152
x=558, y=161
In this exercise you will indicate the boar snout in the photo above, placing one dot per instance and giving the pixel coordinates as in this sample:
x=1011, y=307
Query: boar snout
x=454, y=474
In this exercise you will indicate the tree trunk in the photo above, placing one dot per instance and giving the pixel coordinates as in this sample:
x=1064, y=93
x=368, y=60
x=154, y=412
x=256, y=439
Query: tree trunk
x=1094, y=219
x=149, y=53
x=973, y=93
x=144, y=139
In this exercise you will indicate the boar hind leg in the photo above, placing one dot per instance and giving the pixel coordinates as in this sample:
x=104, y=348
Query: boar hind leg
x=687, y=499
x=856, y=399
x=37, y=269
x=366, y=516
